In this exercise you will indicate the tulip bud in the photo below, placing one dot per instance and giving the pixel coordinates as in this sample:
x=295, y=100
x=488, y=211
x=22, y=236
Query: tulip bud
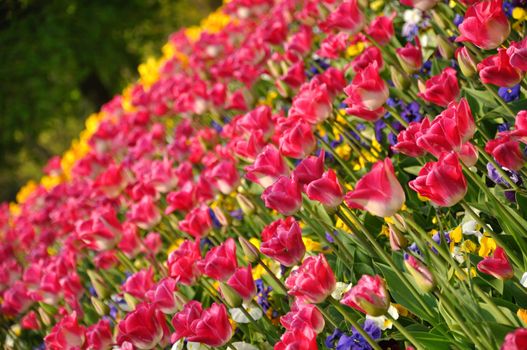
x=232, y=298
x=222, y=219
x=400, y=80
x=100, y=307
x=245, y=204
x=130, y=301
x=446, y=49
x=466, y=62
x=98, y=284
x=369, y=295
x=397, y=239
x=422, y=276
x=251, y=252
x=498, y=265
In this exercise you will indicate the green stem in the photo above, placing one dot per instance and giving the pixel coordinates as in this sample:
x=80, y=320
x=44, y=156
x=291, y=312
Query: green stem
x=405, y=333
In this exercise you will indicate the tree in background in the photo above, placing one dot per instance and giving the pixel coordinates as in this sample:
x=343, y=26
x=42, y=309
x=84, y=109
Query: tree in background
x=60, y=60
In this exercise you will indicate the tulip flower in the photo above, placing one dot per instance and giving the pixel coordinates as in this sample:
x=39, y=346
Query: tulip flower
x=197, y=223
x=506, y=150
x=210, y=326
x=517, y=53
x=66, y=334
x=379, y=192
x=326, y=190
x=410, y=57
x=407, y=139
x=144, y=214
x=516, y=340
x=312, y=103
x=366, y=57
x=441, y=89
x=297, y=139
x=485, y=25
x=283, y=196
x=145, y=327
x=182, y=262
x=497, y=70
x=298, y=338
x=225, y=176
x=163, y=296
x=422, y=276
x=259, y=119
x=367, y=94
x=282, y=241
x=243, y=283
x=268, y=167
x=381, y=29
x=313, y=282
x=369, y=295
x=99, y=336
x=498, y=265
x=309, y=169
x=139, y=283
x=442, y=182
x=182, y=200
x=220, y=262
x=466, y=62
x=347, y=17
x=423, y=5
x=303, y=315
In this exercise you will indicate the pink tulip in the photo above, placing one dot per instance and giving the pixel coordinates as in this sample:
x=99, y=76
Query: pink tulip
x=326, y=190
x=518, y=54
x=163, y=296
x=282, y=241
x=498, y=265
x=144, y=214
x=407, y=140
x=225, y=176
x=485, y=25
x=284, y=196
x=441, y=89
x=506, y=150
x=442, y=182
x=313, y=281
x=268, y=167
x=259, y=119
x=139, y=283
x=381, y=29
x=309, y=169
x=497, y=70
x=197, y=223
x=66, y=334
x=369, y=295
x=421, y=274
x=220, y=262
x=411, y=57
x=516, y=340
x=303, y=315
x=366, y=57
x=423, y=5
x=347, y=17
x=312, y=103
x=145, y=327
x=367, y=94
x=298, y=338
x=99, y=336
x=378, y=192
x=243, y=283
x=297, y=139
x=182, y=263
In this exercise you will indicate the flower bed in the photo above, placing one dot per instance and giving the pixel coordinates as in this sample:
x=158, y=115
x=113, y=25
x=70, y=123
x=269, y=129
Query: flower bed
x=296, y=174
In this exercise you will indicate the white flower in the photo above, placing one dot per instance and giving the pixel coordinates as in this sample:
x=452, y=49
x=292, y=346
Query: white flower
x=239, y=316
x=239, y=345
x=469, y=227
x=458, y=255
x=340, y=290
x=382, y=321
x=413, y=16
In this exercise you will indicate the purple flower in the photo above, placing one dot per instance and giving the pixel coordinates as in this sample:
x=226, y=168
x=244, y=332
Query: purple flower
x=356, y=341
x=509, y=94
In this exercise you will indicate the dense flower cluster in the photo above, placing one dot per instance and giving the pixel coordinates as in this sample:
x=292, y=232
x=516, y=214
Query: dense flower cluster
x=295, y=174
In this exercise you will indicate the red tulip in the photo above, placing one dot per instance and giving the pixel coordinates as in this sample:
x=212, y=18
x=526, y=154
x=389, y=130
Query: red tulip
x=282, y=241
x=442, y=182
x=516, y=340
x=313, y=281
x=381, y=29
x=309, y=169
x=518, y=55
x=144, y=214
x=112, y=181
x=225, y=176
x=295, y=75
x=259, y=119
x=334, y=80
x=423, y=5
x=220, y=262
x=369, y=295
x=297, y=139
x=497, y=70
x=182, y=262
x=29, y=321
x=303, y=315
x=485, y=25
x=378, y=192
x=407, y=139
x=468, y=154
x=506, y=150
x=139, y=283
x=268, y=167
x=312, y=103
x=145, y=327
x=16, y=300
x=298, y=339
x=182, y=200
x=326, y=190
x=210, y=326
x=410, y=57
x=441, y=89
x=99, y=336
x=66, y=334
x=102, y=231
x=368, y=56
x=163, y=297
x=333, y=45
x=283, y=196
x=498, y=265
x=347, y=17
x=197, y=223
x=367, y=94
x=243, y=283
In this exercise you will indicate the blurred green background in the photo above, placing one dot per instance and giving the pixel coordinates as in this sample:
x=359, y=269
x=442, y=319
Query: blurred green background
x=60, y=60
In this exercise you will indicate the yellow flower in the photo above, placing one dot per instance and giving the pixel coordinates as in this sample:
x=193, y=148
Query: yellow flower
x=311, y=245
x=215, y=22
x=522, y=315
x=487, y=246
x=519, y=14
x=149, y=72
x=456, y=234
x=193, y=33
x=26, y=191
x=255, y=242
x=355, y=49
x=175, y=245
x=377, y=5
x=50, y=181
x=385, y=230
x=258, y=271
x=14, y=209
x=343, y=151
x=468, y=246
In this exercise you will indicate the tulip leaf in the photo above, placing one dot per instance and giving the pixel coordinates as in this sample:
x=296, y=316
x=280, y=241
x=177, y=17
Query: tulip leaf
x=482, y=96
x=515, y=106
x=414, y=170
x=402, y=295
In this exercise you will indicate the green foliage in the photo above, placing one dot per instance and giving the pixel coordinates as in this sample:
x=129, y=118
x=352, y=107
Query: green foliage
x=62, y=59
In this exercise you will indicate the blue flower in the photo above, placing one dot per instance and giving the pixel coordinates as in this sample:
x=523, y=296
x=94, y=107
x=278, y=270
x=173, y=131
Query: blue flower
x=458, y=19
x=215, y=222
x=509, y=94
x=356, y=341
x=262, y=294
x=333, y=338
